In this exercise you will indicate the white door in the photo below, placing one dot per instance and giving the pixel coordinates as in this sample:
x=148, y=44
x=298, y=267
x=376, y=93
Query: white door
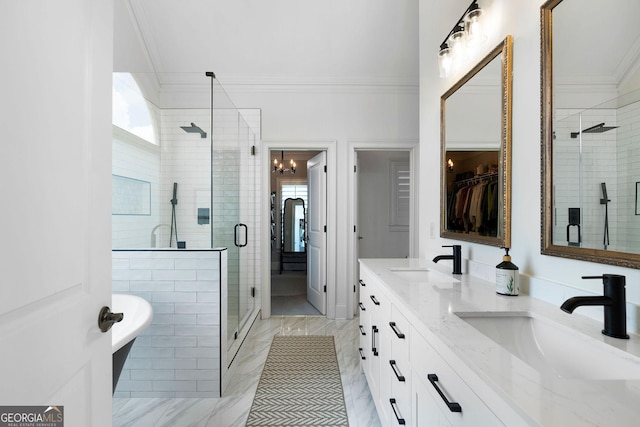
x=317, y=244
x=55, y=190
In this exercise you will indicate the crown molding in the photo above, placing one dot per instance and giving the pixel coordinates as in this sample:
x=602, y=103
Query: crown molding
x=585, y=84
x=315, y=84
x=197, y=95
x=197, y=83
x=629, y=65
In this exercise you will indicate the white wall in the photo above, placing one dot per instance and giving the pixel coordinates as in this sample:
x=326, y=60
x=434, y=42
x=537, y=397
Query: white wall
x=300, y=116
x=550, y=278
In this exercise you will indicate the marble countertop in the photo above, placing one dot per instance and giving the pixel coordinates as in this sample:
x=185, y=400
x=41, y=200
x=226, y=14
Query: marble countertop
x=511, y=388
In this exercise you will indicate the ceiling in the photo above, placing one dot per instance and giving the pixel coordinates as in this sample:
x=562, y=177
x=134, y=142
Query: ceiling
x=282, y=42
x=596, y=42
x=339, y=42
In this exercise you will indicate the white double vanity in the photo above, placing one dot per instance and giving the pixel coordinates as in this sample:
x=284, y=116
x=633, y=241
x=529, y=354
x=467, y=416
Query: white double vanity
x=445, y=350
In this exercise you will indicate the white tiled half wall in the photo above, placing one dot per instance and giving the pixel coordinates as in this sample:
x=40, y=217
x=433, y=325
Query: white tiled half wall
x=178, y=355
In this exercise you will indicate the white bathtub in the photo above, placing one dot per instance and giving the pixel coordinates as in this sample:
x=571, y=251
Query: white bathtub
x=138, y=314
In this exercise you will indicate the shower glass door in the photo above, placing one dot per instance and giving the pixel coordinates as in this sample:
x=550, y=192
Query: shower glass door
x=234, y=208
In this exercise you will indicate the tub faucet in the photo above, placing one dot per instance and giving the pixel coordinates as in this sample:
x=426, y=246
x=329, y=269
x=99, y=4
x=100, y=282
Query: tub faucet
x=613, y=300
x=456, y=257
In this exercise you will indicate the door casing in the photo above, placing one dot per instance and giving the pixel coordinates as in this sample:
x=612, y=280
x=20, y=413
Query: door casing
x=412, y=146
x=330, y=147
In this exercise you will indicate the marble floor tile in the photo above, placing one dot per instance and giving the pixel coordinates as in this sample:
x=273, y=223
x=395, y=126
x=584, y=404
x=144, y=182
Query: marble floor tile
x=233, y=409
x=188, y=412
x=292, y=305
x=139, y=412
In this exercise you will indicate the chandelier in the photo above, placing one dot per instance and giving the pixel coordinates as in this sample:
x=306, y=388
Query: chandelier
x=278, y=166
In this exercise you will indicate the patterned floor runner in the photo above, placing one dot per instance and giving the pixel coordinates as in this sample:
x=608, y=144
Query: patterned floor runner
x=300, y=385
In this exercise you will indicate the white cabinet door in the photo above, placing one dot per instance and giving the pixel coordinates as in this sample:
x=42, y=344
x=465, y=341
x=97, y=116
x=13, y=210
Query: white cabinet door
x=426, y=411
x=55, y=174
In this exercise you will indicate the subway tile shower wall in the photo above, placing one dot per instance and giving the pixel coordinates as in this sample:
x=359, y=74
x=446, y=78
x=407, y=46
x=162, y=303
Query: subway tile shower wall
x=178, y=355
x=186, y=159
x=593, y=160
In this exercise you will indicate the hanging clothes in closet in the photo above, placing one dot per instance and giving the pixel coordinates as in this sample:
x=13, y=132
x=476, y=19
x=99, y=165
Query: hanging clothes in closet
x=472, y=205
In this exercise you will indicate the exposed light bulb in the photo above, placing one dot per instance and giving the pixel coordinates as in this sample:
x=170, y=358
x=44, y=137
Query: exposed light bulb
x=474, y=28
x=445, y=62
x=450, y=164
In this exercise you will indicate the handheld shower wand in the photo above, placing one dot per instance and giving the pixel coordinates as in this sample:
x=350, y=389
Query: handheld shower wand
x=174, y=224
x=605, y=201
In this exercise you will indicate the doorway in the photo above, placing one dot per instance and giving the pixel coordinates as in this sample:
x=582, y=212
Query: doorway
x=383, y=208
x=383, y=203
x=294, y=264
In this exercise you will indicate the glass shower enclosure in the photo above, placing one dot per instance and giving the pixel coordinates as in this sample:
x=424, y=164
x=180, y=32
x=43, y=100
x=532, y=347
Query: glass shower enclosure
x=184, y=176
x=595, y=187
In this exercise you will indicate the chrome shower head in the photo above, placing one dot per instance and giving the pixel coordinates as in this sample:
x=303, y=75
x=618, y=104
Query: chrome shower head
x=194, y=129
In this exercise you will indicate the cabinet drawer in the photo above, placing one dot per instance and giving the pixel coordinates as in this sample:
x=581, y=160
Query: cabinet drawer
x=460, y=404
x=363, y=343
x=399, y=330
x=399, y=372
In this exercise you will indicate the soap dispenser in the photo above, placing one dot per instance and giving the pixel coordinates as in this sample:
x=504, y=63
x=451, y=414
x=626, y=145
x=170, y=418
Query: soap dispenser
x=507, y=279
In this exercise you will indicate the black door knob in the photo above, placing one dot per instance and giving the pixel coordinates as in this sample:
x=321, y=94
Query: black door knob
x=106, y=318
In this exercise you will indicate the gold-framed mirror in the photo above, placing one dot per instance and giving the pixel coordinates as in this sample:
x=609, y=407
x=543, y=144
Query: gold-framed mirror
x=590, y=110
x=475, y=146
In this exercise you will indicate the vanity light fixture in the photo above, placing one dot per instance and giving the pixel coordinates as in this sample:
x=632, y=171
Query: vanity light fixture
x=467, y=33
x=279, y=166
x=473, y=25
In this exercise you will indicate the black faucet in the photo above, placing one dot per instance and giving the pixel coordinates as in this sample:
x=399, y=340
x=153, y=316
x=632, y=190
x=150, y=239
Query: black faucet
x=613, y=300
x=456, y=257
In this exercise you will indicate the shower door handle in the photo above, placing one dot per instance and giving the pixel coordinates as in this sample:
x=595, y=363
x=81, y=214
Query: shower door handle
x=235, y=235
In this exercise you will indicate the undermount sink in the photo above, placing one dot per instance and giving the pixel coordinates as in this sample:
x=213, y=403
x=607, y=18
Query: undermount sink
x=421, y=274
x=553, y=349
